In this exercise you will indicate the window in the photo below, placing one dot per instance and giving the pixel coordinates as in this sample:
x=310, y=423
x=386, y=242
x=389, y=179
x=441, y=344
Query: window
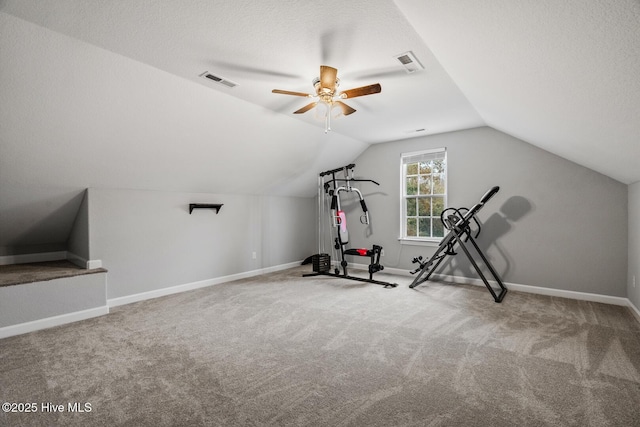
x=423, y=194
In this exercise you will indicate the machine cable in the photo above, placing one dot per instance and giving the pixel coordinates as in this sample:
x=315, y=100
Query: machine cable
x=333, y=188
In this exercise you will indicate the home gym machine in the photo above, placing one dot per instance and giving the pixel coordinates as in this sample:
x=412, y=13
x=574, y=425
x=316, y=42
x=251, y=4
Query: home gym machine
x=333, y=188
x=458, y=222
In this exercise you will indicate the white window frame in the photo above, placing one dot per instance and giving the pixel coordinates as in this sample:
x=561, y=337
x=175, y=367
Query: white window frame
x=412, y=157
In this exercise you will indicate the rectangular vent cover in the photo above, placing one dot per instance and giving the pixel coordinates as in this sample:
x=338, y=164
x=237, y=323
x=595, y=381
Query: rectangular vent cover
x=217, y=79
x=409, y=62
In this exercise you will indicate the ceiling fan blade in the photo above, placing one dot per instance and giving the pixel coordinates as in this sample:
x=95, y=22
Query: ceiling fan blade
x=361, y=91
x=328, y=76
x=305, y=108
x=346, y=110
x=288, y=92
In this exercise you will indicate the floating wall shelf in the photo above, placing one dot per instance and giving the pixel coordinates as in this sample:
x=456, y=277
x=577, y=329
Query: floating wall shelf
x=193, y=206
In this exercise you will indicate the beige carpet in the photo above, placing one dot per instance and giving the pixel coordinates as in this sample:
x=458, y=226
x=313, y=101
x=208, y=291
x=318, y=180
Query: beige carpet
x=280, y=350
x=16, y=274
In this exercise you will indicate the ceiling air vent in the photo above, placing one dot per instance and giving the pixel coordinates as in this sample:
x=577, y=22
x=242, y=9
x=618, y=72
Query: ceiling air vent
x=416, y=130
x=218, y=79
x=409, y=62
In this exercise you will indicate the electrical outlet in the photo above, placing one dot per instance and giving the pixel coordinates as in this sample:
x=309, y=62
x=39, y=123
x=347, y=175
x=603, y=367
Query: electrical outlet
x=382, y=252
x=254, y=255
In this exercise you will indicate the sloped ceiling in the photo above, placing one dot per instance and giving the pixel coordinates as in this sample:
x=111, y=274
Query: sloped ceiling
x=276, y=44
x=562, y=75
x=109, y=94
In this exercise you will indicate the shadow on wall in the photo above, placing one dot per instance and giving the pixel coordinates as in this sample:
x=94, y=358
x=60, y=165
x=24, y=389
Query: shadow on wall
x=498, y=225
x=41, y=222
x=350, y=204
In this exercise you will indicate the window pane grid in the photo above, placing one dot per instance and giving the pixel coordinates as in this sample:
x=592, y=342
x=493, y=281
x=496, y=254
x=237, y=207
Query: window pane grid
x=424, y=193
x=423, y=216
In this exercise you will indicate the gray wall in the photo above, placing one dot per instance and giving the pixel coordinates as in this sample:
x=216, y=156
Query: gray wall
x=101, y=120
x=148, y=240
x=553, y=224
x=633, y=292
x=35, y=219
x=78, y=242
x=39, y=300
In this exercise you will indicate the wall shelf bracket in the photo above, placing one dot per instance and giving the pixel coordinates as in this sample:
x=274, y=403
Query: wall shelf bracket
x=193, y=206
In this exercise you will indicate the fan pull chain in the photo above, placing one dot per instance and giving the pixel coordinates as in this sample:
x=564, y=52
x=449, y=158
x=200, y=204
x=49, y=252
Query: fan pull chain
x=327, y=120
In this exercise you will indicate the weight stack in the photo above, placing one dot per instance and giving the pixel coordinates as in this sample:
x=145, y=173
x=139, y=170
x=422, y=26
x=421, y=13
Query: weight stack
x=321, y=263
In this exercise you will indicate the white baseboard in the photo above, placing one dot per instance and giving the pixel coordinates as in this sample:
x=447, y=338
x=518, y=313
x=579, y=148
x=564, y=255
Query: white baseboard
x=77, y=259
x=129, y=299
x=39, y=257
x=81, y=262
x=94, y=263
x=49, y=322
x=561, y=293
x=391, y=270
x=634, y=311
x=51, y=256
x=583, y=296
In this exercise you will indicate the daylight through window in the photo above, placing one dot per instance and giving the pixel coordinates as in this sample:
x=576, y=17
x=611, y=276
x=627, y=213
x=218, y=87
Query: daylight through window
x=424, y=194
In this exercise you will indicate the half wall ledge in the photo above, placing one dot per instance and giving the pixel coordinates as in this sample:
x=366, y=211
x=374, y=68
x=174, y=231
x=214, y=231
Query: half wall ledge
x=18, y=274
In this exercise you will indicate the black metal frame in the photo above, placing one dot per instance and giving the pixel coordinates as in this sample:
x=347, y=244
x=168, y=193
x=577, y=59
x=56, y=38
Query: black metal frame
x=459, y=226
x=346, y=276
x=215, y=206
x=374, y=258
x=374, y=253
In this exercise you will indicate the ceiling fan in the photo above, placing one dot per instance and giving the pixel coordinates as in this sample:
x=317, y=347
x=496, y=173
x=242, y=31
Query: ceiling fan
x=325, y=87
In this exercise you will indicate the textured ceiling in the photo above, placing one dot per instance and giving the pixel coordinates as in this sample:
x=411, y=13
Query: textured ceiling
x=109, y=94
x=560, y=75
x=262, y=45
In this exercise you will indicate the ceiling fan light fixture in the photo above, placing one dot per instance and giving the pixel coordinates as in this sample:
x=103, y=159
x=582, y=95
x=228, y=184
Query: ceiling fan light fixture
x=325, y=87
x=321, y=111
x=320, y=90
x=336, y=111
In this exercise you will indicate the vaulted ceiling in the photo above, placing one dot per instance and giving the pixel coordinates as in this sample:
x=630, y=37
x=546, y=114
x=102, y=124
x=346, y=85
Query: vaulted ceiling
x=110, y=93
x=562, y=75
